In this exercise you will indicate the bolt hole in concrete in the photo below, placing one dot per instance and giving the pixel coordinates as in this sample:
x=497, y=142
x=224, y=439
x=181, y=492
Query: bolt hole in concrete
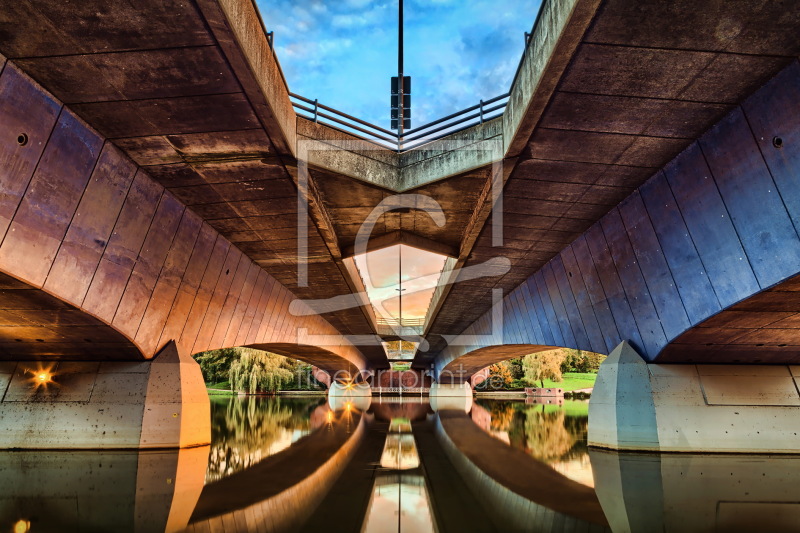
x=22, y=139
x=777, y=142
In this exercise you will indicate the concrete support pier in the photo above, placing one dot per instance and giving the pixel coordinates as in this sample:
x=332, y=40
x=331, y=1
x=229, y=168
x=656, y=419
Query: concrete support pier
x=445, y=396
x=694, y=408
x=161, y=403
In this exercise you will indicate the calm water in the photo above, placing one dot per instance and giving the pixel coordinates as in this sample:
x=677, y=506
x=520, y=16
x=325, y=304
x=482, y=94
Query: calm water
x=300, y=464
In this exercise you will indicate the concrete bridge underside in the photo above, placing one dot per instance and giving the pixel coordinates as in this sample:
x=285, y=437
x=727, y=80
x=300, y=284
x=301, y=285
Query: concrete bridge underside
x=699, y=264
x=151, y=166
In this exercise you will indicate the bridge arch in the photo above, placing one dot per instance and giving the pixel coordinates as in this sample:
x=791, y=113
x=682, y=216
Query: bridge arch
x=711, y=240
x=116, y=245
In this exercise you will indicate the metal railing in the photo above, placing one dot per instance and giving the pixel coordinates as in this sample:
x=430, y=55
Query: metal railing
x=382, y=321
x=400, y=390
x=466, y=118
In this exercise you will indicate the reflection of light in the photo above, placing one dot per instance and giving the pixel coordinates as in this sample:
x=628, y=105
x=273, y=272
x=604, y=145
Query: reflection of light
x=349, y=406
x=349, y=385
x=329, y=416
x=22, y=526
x=43, y=376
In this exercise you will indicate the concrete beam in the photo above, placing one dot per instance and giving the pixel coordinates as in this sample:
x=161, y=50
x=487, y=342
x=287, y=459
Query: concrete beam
x=408, y=238
x=240, y=32
x=559, y=30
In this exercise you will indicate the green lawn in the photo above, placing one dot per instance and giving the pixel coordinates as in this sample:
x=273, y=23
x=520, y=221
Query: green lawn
x=219, y=388
x=572, y=381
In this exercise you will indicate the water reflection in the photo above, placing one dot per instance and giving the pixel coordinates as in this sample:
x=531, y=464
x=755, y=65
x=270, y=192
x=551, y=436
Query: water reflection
x=246, y=430
x=693, y=492
x=554, y=433
x=120, y=491
x=399, y=501
x=282, y=464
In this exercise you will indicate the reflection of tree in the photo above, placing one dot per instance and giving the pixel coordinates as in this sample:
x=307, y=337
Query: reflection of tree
x=245, y=430
x=546, y=432
x=546, y=436
x=502, y=417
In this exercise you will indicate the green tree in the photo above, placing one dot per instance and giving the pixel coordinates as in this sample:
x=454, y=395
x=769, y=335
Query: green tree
x=543, y=365
x=499, y=375
x=257, y=371
x=216, y=364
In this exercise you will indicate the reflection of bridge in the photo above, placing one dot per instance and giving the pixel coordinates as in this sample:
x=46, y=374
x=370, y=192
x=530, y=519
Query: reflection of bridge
x=161, y=196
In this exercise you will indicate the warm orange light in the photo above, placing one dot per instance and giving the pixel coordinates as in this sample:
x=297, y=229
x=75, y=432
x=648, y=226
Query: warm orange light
x=350, y=385
x=329, y=416
x=349, y=406
x=22, y=526
x=41, y=376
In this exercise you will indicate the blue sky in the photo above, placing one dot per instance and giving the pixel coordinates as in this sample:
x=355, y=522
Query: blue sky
x=344, y=52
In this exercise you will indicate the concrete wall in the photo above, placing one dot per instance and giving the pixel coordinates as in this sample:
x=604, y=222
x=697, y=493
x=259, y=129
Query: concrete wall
x=694, y=408
x=80, y=221
x=714, y=227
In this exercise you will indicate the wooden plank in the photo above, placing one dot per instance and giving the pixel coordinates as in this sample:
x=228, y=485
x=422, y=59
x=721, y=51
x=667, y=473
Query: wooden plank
x=227, y=273
x=242, y=305
x=526, y=301
x=773, y=114
x=119, y=257
x=25, y=108
x=691, y=276
x=752, y=199
x=636, y=290
x=612, y=288
x=204, y=291
x=169, y=282
x=198, y=261
x=231, y=302
x=539, y=313
x=532, y=336
x=653, y=266
x=49, y=203
x=547, y=305
x=597, y=296
x=91, y=227
x=583, y=301
x=148, y=265
x=267, y=314
x=573, y=315
x=252, y=307
x=511, y=331
x=261, y=310
x=710, y=226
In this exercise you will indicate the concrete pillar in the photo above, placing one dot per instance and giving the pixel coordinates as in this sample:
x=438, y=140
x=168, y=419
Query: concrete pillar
x=694, y=408
x=444, y=396
x=161, y=403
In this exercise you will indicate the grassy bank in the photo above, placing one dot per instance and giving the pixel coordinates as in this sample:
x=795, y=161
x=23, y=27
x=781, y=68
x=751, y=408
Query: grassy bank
x=572, y=381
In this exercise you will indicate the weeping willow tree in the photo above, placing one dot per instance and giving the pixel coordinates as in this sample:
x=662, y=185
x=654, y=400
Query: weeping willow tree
x=256, y=371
